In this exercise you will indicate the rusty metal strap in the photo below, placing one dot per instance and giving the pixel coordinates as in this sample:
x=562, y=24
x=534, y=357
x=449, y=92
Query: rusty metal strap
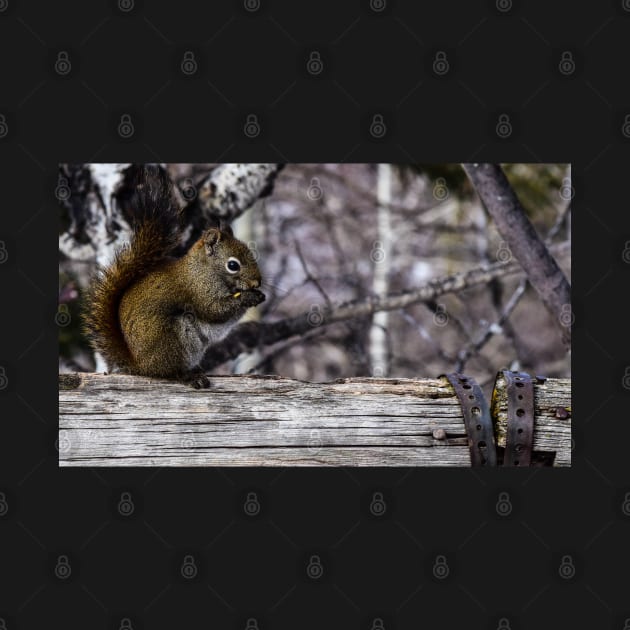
x=520, y=419
x=477, y=419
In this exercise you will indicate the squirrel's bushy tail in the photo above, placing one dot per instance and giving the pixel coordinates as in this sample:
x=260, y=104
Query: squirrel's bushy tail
x=146, y=200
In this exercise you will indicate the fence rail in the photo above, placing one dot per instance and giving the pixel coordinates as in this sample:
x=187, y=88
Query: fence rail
x=121, y=420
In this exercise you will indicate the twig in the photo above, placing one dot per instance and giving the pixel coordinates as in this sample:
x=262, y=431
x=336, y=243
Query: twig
x=494, y=328
x=309, y=276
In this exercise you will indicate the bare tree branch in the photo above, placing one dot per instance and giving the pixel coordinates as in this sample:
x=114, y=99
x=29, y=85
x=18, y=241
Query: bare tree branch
x=309, y=276
x=232, y=188
x=253, y=334
x=542, y=271
x=473, y=349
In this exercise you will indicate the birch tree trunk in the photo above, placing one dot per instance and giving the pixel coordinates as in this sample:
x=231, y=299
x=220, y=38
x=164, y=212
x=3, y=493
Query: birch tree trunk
x=381, y=257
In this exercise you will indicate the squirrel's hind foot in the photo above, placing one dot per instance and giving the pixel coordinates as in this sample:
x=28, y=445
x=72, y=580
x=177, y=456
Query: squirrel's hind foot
x=197, y=379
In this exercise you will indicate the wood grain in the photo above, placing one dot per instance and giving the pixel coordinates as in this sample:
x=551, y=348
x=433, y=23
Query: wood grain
x=121, y=420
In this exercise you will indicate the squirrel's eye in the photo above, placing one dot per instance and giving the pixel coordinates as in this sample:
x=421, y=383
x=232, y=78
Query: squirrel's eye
x=233, y=265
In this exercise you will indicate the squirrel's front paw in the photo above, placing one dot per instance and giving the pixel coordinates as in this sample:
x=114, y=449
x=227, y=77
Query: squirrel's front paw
x=252, y=297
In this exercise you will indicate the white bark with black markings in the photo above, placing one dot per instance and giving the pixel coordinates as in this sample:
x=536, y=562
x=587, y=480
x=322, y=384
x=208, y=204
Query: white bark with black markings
x=99, y=227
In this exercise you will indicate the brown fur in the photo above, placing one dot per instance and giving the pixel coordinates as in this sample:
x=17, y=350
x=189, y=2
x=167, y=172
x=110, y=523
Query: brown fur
x=152, y=315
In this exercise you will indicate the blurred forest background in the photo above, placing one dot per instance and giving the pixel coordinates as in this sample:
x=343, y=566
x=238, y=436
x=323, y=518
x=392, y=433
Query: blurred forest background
x=334, y=233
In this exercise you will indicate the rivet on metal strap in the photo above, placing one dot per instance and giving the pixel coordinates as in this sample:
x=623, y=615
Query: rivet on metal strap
x=520, y=419
x=477, y=419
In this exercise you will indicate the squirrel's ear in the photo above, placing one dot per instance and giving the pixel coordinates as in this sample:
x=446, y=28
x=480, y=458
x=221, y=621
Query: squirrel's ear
x=210, y=239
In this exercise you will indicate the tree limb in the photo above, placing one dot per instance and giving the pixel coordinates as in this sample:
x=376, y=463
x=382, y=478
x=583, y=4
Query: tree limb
x=251, y=335
x=524, y=243
x=232, y=188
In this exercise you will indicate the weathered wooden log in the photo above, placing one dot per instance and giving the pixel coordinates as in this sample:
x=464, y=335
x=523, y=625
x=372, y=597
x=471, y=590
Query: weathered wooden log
x=259, y=421
x=120, y=420
x=552, y=412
